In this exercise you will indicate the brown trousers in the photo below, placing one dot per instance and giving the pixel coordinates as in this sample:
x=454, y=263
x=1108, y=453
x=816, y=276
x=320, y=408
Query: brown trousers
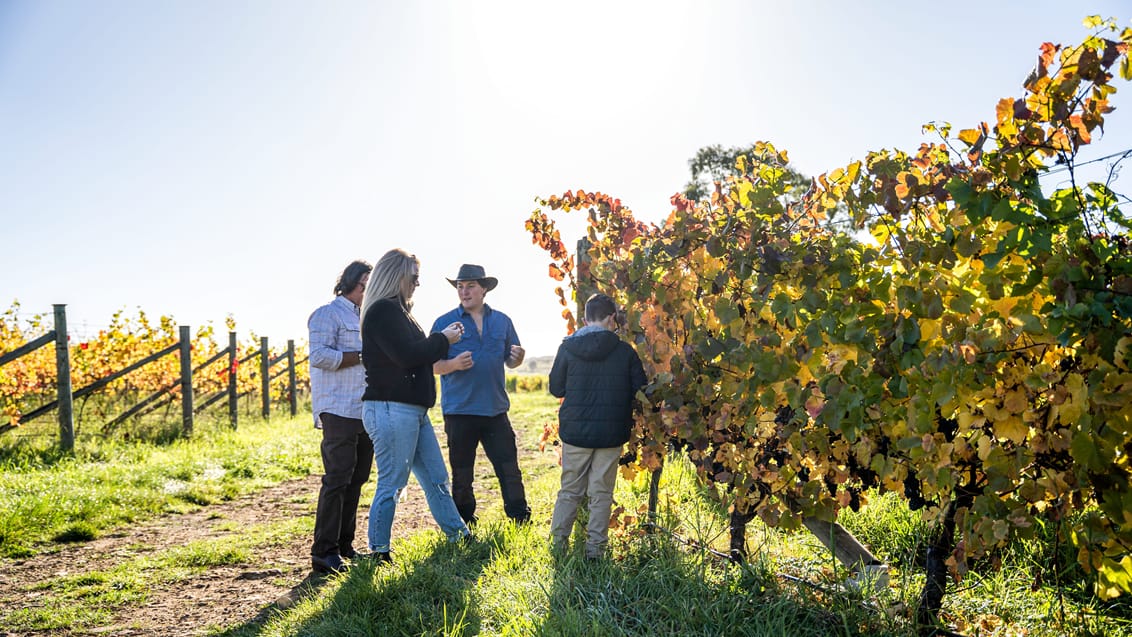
x=591, y=472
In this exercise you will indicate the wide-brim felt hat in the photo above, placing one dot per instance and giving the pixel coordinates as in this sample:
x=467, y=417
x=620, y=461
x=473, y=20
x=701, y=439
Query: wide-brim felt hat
x=470, y=272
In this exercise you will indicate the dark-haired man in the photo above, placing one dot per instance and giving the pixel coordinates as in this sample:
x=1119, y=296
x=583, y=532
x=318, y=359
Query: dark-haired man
x=337, y=383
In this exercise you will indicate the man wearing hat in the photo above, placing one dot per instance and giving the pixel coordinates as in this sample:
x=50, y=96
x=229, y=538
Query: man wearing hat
x=473, y=395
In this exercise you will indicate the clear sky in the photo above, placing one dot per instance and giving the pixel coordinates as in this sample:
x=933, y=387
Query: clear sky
x=208, y=157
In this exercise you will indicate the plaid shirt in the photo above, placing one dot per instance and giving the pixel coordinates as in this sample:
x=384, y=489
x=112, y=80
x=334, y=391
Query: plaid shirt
x=335, y=328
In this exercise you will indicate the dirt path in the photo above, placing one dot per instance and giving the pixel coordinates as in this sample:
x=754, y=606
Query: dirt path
x=225, y=596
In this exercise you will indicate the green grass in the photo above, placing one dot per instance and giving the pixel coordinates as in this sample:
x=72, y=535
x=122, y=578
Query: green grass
x=46, y=497
x=510, y=582
x=91, y=599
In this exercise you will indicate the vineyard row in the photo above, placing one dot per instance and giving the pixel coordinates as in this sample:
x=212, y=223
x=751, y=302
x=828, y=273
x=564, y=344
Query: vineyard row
x=134, y=368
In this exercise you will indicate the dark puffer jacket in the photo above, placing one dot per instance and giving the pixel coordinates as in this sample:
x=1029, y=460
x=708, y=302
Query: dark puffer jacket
x=598, y=374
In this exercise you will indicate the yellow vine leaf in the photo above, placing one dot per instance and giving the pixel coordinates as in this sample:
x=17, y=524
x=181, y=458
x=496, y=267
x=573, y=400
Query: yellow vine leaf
x=1016, y=401
x=984, y=445
x=1122, y=356
x=929, y=330
x=969, y=136
x=1005, y=305
x=1075, y=403
x=881, y=233
x=969, y=421
x=1115, y=577
x=1012, y=429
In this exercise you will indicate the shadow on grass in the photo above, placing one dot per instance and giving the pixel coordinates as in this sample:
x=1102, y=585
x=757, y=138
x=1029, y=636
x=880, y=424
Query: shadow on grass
x=304, y=590
x=428, y=591
x=654, y=588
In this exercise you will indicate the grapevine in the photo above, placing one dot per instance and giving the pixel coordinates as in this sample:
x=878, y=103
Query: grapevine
x=30, y=381
x=971, y=355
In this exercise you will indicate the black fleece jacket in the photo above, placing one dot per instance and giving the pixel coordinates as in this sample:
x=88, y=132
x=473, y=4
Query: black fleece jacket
x=398, y=357
x=598, y=374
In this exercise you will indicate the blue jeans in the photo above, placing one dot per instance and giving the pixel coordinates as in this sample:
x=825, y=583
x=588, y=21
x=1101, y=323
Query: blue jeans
x=403, y=440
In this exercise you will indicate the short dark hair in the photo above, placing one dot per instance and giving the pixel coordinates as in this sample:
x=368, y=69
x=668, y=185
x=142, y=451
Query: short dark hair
x=599, y=306
x=350, y=277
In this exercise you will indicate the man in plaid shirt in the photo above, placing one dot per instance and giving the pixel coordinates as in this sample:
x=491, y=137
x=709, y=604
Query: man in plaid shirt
x=337, y=383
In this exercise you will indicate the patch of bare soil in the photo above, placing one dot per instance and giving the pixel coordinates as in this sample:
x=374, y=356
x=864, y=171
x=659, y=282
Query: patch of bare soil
x=226, y=596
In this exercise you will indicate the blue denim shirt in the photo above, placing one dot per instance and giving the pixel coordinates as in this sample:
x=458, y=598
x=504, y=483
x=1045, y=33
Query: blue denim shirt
x=481, y=390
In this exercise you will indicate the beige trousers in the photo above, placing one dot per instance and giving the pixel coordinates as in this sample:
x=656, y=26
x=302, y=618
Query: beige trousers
x=591, y=472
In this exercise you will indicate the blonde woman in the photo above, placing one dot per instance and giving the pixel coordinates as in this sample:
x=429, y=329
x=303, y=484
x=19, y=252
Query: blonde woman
x=400, y=389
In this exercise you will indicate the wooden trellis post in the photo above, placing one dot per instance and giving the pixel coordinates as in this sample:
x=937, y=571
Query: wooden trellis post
x=186, y=381
x=233, y=403
x=291, y=376
x=63, y=383
x=265, y=375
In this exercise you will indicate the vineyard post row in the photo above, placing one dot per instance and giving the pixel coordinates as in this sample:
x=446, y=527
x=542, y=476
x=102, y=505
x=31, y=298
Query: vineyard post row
x=65, y=396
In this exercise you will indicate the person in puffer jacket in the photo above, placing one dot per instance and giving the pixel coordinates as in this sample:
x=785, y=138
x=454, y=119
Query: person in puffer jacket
x=597, y=374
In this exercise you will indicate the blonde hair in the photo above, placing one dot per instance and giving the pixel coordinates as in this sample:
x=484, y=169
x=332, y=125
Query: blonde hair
x=385, y=281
